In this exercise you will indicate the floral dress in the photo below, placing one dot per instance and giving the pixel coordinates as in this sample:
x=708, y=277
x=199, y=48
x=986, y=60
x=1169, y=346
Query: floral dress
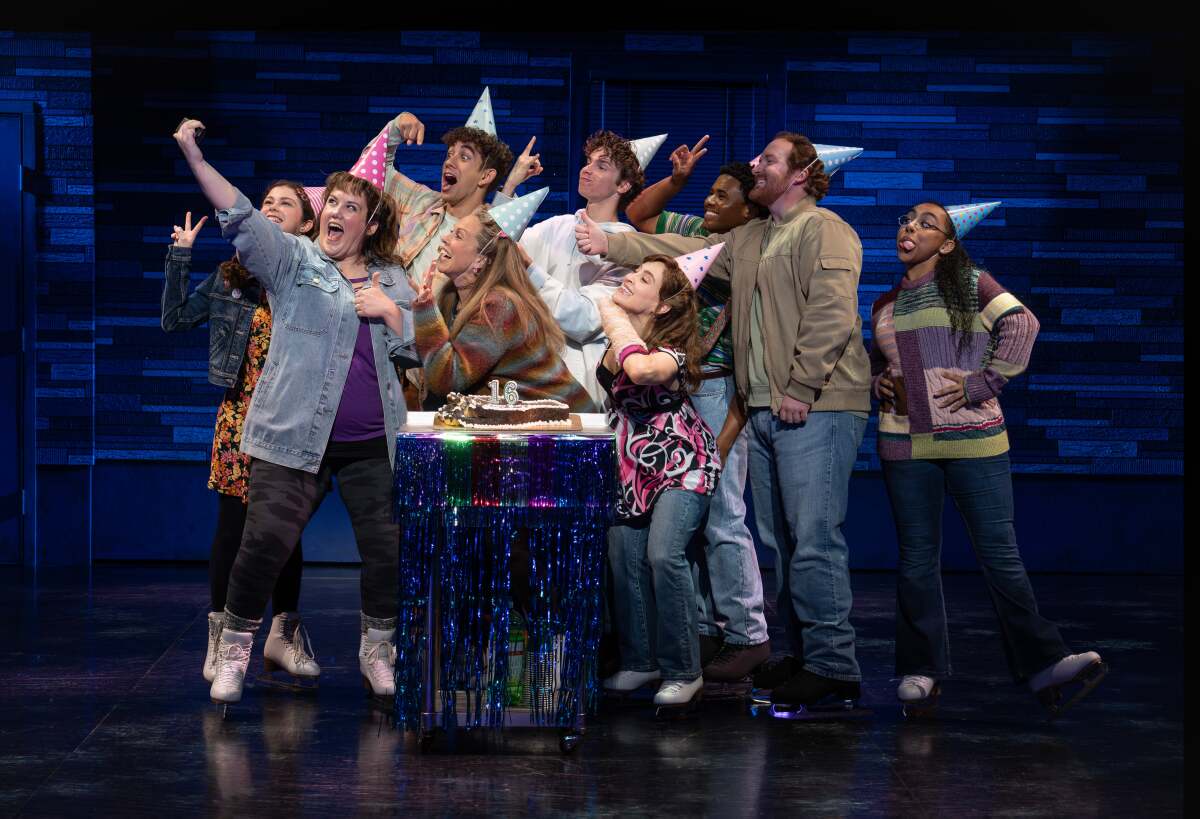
x=229, y=472
x=662, y=443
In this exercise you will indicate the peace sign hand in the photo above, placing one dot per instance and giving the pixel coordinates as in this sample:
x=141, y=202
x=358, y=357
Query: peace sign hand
x=185, y=236
x=424, y=288
x=684, y=159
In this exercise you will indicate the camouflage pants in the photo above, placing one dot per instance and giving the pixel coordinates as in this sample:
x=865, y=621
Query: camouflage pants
x=281, y=502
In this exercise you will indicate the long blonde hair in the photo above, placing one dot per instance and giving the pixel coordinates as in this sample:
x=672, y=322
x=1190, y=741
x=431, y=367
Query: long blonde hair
x=503, y=272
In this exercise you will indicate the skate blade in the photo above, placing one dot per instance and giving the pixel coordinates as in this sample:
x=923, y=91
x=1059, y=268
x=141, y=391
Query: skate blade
x=284, y=681
x=221, y=708
x=1088, y=678
x=379, y=702
x=831, y=708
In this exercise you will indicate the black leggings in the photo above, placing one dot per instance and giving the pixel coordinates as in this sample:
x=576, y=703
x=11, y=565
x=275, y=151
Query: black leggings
x=231, y=520
x=283, y=499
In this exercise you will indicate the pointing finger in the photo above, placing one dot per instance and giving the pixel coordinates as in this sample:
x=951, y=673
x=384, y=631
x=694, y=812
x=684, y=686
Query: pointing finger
x=529, y=147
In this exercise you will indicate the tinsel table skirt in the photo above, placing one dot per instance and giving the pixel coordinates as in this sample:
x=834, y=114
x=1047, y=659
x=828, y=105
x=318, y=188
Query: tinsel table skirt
x=462, y=499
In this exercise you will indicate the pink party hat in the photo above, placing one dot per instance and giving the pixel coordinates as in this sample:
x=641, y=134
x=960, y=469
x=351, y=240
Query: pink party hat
x=696, y=264
x=316, y=198
x=371, y=166
x=966, y=217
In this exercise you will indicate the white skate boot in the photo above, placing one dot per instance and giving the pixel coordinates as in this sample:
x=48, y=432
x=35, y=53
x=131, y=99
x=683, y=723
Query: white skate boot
x=377, y=662
x=216, y=621
x=1077, y=674
x=233, y=657
x=677, y=698
x=918, y=695
x=289, y=651
x=624, y=682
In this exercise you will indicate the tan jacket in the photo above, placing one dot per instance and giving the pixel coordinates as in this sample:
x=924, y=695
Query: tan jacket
x=807, y=278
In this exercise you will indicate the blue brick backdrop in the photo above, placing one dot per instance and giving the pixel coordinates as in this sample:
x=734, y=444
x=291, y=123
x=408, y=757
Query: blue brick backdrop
x=54, y=71
x=1081, y=136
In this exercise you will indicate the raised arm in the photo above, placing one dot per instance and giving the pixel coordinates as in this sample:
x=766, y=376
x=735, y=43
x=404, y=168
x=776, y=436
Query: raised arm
x=182, y=310
x=220, y=193
x=411, y=196
x=643, y=211
x=526, y=166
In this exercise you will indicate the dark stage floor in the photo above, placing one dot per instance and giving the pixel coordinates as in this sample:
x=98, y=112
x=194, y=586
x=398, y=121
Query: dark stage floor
x=103, y=712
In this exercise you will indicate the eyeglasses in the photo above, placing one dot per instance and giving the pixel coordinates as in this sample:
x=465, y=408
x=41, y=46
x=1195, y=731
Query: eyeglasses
x=924, y=224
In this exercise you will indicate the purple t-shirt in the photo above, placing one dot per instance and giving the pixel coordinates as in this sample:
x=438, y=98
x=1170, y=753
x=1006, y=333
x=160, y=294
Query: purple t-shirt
x=360, y=412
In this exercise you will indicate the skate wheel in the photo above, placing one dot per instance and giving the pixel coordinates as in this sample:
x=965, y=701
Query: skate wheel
x=569, y=742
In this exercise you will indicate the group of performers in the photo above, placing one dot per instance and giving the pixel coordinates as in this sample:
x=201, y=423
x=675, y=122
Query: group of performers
x=724, y=347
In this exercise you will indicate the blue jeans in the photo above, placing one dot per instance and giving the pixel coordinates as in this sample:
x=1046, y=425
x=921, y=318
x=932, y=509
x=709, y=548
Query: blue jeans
x=654, y=599
x=728, y=580
x=800, y=479
x=982, y=491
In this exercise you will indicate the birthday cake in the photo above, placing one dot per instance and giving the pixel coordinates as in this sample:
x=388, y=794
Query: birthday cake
x=508, y=412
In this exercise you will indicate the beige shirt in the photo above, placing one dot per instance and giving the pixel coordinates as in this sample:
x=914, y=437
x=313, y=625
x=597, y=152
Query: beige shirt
x=805, y=273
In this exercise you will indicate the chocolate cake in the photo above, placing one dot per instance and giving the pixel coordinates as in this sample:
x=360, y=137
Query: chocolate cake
x=485, y=412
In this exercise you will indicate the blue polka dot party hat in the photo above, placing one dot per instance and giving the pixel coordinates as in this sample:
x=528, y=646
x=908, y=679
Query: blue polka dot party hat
x=966, y=217
x=482, y=117
x=513, y=216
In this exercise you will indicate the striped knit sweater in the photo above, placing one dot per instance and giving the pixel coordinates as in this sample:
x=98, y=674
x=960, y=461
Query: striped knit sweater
x=913, y=337
x=501, y=348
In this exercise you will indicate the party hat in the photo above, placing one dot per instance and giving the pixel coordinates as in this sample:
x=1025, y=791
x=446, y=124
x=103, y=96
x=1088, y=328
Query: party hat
x=482, y=117
x=966, y=217
x=696, y=264
x=316, y=198
x=835, y=156
x=371, y=166
x=513, y=216
x=646, y=147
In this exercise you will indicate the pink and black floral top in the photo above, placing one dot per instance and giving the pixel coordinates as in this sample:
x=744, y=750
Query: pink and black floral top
x=662, y=443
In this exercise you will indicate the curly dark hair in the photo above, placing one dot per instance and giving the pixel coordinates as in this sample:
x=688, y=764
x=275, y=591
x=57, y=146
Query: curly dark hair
x=232, y=271
x=494, y=154
x=622, y=154
x=801, y=155
x=956, y=274
x=745, y=178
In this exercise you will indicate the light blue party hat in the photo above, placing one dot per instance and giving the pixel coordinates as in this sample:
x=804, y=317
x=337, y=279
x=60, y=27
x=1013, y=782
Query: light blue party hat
x=646, y=147
x=482, y=117
x=835, y=156
x=966, y=217
x=513, y=216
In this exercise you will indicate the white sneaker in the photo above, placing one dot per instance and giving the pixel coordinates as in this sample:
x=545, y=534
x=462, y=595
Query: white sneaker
x=678, y=692
x=233, y=657
x=625, y=681
x=216, y=621
x=377, y=661
x=915, y=687
x=289, y=649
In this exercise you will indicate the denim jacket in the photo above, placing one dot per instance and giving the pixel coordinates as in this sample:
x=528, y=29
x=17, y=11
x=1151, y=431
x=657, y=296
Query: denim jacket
x=313, y=331
x=228, y=313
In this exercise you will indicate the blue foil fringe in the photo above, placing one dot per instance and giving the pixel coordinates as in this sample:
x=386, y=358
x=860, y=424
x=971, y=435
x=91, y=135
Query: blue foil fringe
x=460, y=501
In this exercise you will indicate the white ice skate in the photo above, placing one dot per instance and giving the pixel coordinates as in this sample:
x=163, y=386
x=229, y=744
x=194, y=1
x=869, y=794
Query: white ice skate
x=918, y=695
x=1074, y=676
x=677, y=698
x=288, y=656
x=377, y=662
x=233, y=657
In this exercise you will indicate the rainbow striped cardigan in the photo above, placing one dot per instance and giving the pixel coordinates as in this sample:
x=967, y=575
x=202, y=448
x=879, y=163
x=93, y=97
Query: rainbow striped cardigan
x=912, y=336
